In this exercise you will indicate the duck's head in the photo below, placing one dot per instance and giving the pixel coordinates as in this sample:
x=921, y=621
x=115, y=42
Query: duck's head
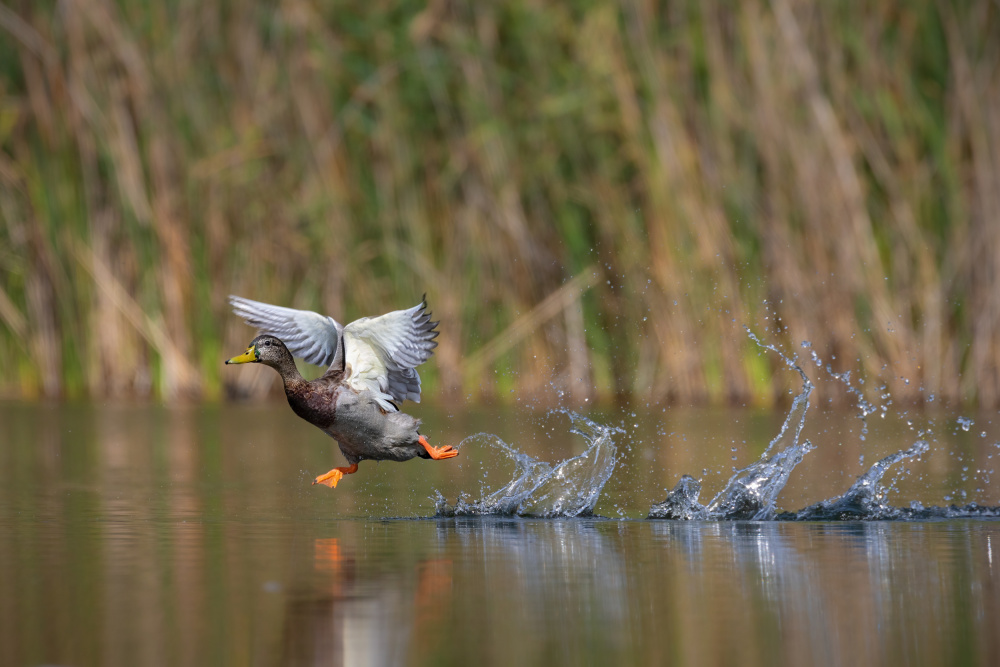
x=264, y=349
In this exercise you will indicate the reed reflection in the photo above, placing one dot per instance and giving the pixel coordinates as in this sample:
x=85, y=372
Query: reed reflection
x=822, y=593
x=153, y=567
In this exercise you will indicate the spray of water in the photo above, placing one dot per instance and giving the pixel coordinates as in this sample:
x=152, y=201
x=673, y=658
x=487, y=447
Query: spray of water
x=568, y=489
x=571, y=488
x=751, y=492
x=867, y=498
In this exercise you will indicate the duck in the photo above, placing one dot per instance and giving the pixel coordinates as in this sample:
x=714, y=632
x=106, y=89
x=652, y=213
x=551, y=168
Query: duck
x=371, y=364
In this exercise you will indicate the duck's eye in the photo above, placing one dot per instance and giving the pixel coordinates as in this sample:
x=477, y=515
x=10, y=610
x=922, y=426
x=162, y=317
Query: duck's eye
x=267, y=343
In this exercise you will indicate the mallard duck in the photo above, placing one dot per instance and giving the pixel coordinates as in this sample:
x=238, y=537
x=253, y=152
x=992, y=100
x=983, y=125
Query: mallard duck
x=372, y=367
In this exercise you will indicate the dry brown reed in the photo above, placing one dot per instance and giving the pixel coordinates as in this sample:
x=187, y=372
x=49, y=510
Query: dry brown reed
x=595, y=196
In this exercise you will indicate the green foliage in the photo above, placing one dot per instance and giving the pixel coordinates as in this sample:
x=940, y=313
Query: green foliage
x=816, y=172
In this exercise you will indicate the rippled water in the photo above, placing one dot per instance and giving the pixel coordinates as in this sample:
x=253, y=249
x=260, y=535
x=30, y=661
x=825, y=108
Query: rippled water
x=146, y=535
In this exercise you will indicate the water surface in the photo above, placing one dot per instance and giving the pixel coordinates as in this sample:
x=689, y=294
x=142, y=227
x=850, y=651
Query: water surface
x=147, y=535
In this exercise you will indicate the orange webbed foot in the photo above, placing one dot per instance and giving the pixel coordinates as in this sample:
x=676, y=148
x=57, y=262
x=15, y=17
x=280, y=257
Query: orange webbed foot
x=331, y=478
x=438, y=453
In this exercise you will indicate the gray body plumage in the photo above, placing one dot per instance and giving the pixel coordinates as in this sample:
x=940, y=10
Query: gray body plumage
x=364, y=431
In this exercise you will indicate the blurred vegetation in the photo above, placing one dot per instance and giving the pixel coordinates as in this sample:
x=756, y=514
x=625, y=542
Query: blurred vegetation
x=596, y=196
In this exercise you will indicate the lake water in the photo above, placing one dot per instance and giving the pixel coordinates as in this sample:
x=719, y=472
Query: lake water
x=144, y=535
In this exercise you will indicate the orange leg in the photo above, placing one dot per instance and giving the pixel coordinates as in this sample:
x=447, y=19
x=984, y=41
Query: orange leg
x=331, y=478
x=438, y=453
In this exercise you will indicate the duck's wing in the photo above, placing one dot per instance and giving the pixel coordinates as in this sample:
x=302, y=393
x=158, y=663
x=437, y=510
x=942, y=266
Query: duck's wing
x=307, y=335
x=382, y=353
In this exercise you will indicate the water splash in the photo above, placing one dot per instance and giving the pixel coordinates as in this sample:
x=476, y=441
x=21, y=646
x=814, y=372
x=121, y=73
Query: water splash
x=569, y=489
x=572, y=487
x=867, y=498
x=681, y=503
x=751, y=493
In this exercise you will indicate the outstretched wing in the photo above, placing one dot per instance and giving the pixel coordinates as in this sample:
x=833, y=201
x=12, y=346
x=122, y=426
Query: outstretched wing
x=308, y=335
x=382, y=353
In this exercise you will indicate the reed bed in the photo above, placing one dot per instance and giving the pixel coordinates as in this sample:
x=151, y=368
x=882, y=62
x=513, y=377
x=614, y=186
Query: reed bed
x=596, y=197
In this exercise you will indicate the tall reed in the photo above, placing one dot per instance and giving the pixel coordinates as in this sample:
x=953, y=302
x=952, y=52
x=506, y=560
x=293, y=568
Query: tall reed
x=595, y=196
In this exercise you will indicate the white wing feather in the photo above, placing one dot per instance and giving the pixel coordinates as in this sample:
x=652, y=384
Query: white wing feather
x=382, y=352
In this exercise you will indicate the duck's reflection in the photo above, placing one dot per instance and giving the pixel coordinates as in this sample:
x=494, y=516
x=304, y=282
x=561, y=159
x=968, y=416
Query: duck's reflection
x=352, y=618
x=549, y=576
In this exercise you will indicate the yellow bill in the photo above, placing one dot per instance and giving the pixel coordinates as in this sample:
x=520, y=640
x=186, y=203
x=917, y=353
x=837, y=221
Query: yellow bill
x=247, y=357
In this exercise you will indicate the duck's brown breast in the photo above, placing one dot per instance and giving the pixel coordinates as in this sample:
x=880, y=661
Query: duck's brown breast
x=315, y=403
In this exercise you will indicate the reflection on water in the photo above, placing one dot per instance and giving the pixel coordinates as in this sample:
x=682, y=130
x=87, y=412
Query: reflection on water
x=347, y=615
x=516, y=591
x=139, y=535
